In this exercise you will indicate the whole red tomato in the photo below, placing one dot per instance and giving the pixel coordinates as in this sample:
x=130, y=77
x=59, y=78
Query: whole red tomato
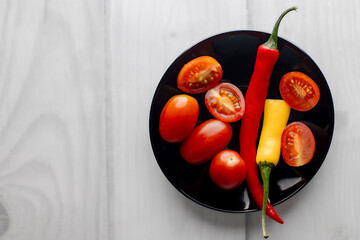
x=227, y=170
x=205, y=141
x=178, y=118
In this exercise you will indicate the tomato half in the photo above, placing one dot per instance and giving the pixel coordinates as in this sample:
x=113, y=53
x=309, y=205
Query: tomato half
x=297, y=144
x=227, y=170
x=299, y=91
x=199, y=75
x=205, y=141
x=178, y=118
x=225, y=102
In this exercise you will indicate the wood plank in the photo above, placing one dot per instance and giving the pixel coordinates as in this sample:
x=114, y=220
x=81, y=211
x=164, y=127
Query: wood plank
x=53, y=181
x=327, y=208
x=146, y=36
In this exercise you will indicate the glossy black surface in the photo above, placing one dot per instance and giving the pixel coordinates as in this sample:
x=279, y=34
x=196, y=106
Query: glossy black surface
x=236, y=52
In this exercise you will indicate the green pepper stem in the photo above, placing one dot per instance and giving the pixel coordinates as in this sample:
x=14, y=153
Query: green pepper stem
x=273, y=39
x=265, y=169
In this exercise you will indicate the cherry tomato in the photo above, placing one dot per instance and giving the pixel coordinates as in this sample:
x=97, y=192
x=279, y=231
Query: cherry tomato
x=297, y=144
x=225, y=102
x=199, y=75
x=299, y=91
x=178, y=118
x=227, y=170
x=205, y=141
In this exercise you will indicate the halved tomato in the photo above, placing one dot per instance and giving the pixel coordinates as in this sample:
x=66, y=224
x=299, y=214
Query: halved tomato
x=299, y=91
x=199, y=75
x=178, y=118
x=225, y=102
x=297, y=144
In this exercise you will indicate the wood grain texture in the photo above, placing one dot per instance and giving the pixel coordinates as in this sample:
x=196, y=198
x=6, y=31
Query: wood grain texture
x=53, y=180
x=76, y=82
x=327, y=208
x=146, y=36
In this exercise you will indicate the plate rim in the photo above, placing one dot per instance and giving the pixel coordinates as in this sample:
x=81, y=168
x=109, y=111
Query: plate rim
x=331, y=120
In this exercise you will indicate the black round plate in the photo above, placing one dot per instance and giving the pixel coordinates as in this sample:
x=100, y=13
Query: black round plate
x=236, y=52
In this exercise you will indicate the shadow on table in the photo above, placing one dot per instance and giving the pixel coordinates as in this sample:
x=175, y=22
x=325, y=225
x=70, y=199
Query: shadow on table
x=213, y=217
x=4, y=220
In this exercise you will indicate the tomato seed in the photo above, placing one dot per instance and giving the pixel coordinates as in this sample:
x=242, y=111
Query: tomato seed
x=230, y=95
x=237, y=106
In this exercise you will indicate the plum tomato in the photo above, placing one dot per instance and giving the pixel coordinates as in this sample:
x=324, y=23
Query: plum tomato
x=205, y=141
x=297, y=144
x=199, y=75
x=299, y=91
x=227, y=170
x=225, y=102
x=178, y=118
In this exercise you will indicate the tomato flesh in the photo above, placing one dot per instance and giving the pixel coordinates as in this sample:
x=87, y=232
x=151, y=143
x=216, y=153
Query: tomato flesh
x=227, y=170
x=178, y=118
x=199, y=75
x=225, y=102
x=299, y=91
x=297, y=144
x=205, y=141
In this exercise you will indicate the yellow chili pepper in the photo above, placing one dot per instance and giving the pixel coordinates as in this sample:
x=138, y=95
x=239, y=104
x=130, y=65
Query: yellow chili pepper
x=276, y=115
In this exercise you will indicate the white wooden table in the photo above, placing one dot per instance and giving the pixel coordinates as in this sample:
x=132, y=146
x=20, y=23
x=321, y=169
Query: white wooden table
x=76, y=82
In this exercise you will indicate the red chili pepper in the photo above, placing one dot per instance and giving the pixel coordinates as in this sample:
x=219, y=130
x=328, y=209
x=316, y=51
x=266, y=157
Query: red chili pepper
x=266, y=58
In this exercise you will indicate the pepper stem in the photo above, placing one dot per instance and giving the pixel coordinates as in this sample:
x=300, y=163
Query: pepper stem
x=265, y=169
x=273, y=39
